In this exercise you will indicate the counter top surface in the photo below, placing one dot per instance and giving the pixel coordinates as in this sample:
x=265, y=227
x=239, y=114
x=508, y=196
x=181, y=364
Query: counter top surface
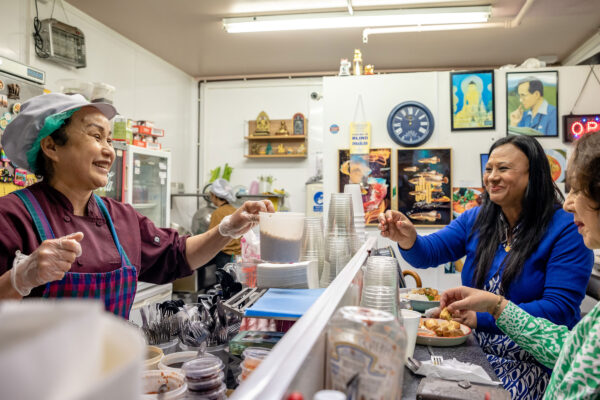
x=467, y=352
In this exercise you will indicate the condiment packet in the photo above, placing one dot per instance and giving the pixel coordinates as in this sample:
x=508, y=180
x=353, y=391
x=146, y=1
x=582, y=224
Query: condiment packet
x=455, y=370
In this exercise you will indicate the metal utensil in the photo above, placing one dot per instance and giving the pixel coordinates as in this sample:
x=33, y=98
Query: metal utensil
x=413, y=364
x=435, y=360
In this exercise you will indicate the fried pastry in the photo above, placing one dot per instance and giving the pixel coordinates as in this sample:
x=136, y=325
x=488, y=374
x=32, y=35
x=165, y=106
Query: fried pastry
x=445, y=314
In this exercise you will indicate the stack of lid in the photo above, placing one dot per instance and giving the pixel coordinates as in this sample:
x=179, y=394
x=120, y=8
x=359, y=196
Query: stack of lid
x=205, y=378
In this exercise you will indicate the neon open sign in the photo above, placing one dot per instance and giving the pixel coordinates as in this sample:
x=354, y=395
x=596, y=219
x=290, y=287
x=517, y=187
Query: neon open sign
x=575, y=126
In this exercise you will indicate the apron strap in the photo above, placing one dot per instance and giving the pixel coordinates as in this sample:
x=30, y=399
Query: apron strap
x=42, y=225
x=113, y=232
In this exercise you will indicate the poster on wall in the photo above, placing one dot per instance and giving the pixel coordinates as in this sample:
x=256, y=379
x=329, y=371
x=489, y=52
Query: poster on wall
x=531, y=103
x=424, y=186
x=472, y=100
x=373, y=173
x=557, y=158
x=465, y=198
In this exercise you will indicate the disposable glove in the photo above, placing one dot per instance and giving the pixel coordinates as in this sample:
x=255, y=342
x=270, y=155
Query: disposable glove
x=47, y=263
x=244, y=218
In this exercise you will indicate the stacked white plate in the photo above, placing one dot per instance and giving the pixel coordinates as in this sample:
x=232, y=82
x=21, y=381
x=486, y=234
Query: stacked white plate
x=299, y=275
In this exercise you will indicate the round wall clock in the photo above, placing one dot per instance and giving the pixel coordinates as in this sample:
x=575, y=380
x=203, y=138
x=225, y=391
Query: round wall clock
x=410, y=124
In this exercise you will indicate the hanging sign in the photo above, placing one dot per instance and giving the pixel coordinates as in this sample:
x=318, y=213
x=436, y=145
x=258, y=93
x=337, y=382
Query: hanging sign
x=575, y=126
x=360, y=137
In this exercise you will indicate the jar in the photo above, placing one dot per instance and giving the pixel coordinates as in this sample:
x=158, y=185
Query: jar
x=370, y=343
x=204, y=374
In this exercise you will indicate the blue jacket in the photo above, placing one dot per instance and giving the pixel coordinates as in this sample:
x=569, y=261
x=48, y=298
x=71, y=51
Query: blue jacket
x=551, y=284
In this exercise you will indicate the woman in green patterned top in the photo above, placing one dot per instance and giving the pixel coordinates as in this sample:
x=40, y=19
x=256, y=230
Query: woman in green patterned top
x=573, y=355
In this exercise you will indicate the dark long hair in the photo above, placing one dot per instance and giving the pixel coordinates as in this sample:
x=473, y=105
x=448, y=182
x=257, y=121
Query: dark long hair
x=539, y=203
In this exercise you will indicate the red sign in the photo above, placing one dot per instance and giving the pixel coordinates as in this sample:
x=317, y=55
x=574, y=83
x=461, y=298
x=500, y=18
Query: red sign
x=575, y=126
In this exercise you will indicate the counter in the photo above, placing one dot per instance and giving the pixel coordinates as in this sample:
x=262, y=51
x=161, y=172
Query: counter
x=467, y=352
x=298, y=361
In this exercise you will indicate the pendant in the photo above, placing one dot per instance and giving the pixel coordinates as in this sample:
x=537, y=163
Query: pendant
x=507, y=247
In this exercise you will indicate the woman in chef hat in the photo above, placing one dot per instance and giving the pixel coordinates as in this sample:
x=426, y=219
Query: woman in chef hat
x=59, y=239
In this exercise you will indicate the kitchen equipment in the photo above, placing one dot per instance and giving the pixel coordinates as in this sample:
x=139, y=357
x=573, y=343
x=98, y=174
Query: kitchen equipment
x=153, y=380
x=153, y=357
x=281, y=236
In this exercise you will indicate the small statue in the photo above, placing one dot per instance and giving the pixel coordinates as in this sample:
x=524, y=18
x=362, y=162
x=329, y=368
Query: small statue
x=357, y=63
x=263, y=124
x=254, y=148
x=344, y=67
x=298, y=124
x=281, y=149
x=262, y=151
x=369, y=69
x=283, y=129
x=290, y=150
x=301, y=149
x=269, y=149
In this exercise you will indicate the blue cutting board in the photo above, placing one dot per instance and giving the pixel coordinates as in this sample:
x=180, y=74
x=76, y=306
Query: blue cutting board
x=284, y=303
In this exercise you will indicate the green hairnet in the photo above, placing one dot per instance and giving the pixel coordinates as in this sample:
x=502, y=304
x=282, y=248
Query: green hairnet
x=51, y=124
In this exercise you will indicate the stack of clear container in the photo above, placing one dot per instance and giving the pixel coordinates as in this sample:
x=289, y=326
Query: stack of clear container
x=205, y=378
x=359, y=212
x=313, y=246
x=380, y=284
x=341, y=241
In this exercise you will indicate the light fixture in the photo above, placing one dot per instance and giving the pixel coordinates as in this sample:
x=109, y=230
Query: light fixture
x=377, y=18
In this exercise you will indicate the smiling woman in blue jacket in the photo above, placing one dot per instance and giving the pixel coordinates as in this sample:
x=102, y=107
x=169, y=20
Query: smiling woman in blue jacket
x=519, y=243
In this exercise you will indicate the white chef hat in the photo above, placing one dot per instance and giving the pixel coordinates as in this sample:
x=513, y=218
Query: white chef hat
x=223, y=190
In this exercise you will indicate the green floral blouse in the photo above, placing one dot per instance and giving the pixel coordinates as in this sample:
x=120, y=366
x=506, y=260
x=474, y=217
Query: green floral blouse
x=574, y=355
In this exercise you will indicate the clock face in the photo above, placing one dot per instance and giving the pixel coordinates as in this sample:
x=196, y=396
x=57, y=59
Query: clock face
x=410, y=124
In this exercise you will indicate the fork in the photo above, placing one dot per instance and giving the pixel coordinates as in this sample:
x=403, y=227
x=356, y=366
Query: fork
x=435, y=360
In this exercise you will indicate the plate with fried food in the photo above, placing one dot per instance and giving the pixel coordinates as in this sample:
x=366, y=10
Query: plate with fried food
x=421, y=299
x=441, y=332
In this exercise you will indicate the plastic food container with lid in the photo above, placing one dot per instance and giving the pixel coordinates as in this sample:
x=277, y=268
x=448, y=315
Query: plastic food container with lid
x=253, y=356
x=204, y=374
x=174, y=361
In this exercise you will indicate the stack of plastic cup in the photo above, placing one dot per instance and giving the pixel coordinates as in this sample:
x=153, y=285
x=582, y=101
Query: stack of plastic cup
x=359, y=211
x=252, y=356
x=313, y=246
x=380, y=284
x=341, y=237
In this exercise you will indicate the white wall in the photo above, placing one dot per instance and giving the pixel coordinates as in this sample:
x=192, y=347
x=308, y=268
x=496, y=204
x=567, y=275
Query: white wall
x=381, y=93
x=148, y=87
x=226, y=109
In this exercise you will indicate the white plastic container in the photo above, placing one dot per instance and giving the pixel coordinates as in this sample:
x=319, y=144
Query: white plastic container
x=153, y=357
x=102, y=92
x=153, y=380
x=281, y=236
x=175, y=358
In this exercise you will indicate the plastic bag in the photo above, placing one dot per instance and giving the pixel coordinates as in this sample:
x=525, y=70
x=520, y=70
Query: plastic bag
x=250, y=246
x=455, y=370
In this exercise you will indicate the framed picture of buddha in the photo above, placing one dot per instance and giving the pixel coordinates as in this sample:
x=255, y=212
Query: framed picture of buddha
x=472, y=100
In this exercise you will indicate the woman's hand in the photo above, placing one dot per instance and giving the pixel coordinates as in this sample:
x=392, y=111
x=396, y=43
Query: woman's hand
x=244, y=218
x=397, y=227
x=468, y=318
x=48, y=263
x=468, y=299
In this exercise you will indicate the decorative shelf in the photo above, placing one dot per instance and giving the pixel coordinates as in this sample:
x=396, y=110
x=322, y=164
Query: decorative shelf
x=275, y=156
x=276, y=145
x=276, y=137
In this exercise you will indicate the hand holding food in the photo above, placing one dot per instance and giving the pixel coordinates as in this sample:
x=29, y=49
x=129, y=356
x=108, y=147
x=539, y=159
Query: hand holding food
x=445, y=314
x=397, y=227
x=47, y=263
x=244, y=218
x=468, y=299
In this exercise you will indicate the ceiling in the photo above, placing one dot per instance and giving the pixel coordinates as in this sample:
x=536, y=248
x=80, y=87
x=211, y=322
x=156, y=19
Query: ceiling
x=189, y=35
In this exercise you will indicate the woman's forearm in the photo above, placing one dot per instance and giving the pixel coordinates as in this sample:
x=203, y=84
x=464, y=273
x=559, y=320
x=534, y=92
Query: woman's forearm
x=7, y=291
x=200, y=249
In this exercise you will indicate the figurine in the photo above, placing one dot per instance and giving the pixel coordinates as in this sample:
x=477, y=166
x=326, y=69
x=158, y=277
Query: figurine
x=369, y=69
x=269, y=149
x=262, y=151
x=301, y=149
x=298, y=124
x=263, y=124
x=254, y=148
x=290, y=150
x=357, y=63
x=344, y=67
x=283, y=129
x=281, y=149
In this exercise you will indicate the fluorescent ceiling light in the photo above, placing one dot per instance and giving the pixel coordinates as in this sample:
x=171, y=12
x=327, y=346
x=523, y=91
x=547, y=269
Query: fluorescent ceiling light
x=399, y=17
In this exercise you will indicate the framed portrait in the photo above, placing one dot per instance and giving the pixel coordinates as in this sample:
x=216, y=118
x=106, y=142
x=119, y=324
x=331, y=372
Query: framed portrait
x=425, y=186
x=373, y=173
x=472, y=100
x=532, y=103
x=557, y=158
x=483, y=159
x=299, y=123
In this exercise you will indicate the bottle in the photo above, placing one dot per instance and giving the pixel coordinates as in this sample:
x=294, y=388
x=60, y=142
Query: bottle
x=357, y=63
x=370, y=344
